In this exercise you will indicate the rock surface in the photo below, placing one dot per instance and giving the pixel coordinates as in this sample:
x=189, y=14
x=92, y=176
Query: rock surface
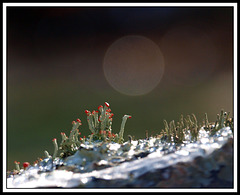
x=148, y=163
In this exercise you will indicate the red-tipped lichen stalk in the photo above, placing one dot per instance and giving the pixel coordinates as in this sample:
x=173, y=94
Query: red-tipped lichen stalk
x=17, y=165
x=96, y=122
x=26, y=165
x=64, y=137
x=103, y=117
x=90, y=121
x=55, y=148
x=75, y=124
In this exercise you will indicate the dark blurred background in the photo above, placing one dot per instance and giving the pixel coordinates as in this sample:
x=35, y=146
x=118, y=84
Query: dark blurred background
x=62, y=61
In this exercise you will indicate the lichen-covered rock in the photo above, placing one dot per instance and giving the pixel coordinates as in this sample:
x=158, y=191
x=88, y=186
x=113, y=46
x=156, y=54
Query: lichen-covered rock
x=150, y=162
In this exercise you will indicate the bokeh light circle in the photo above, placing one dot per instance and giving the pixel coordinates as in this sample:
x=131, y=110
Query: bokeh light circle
x=133, y=65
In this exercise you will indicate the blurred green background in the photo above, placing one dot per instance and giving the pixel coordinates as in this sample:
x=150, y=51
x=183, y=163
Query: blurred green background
x=55, y=70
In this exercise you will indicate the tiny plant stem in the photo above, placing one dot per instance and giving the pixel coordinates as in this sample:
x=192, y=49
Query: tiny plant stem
x=103, y=114
x=206, y=122
x=124, y=119
x=55, y=148
x=63, y=137
x=217, y=122
x=17, y=165
x=93, y=124
x=46, y=154
x=96, y=123
x=74, y=129
x=109, y=124
x=222, y=119
x=167, y=130
x=189, y=121
x=130, y=139
x=90, y=138
x=90, y=123
x=181, y=122
x=227, y=116
x=173, y=130
x=194, y=120
x=104, y=117
x=103, y=123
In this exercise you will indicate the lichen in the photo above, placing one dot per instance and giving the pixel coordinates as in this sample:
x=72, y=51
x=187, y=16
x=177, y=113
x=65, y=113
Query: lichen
x=103, y=148
x=99, y=122
x=190, y=125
